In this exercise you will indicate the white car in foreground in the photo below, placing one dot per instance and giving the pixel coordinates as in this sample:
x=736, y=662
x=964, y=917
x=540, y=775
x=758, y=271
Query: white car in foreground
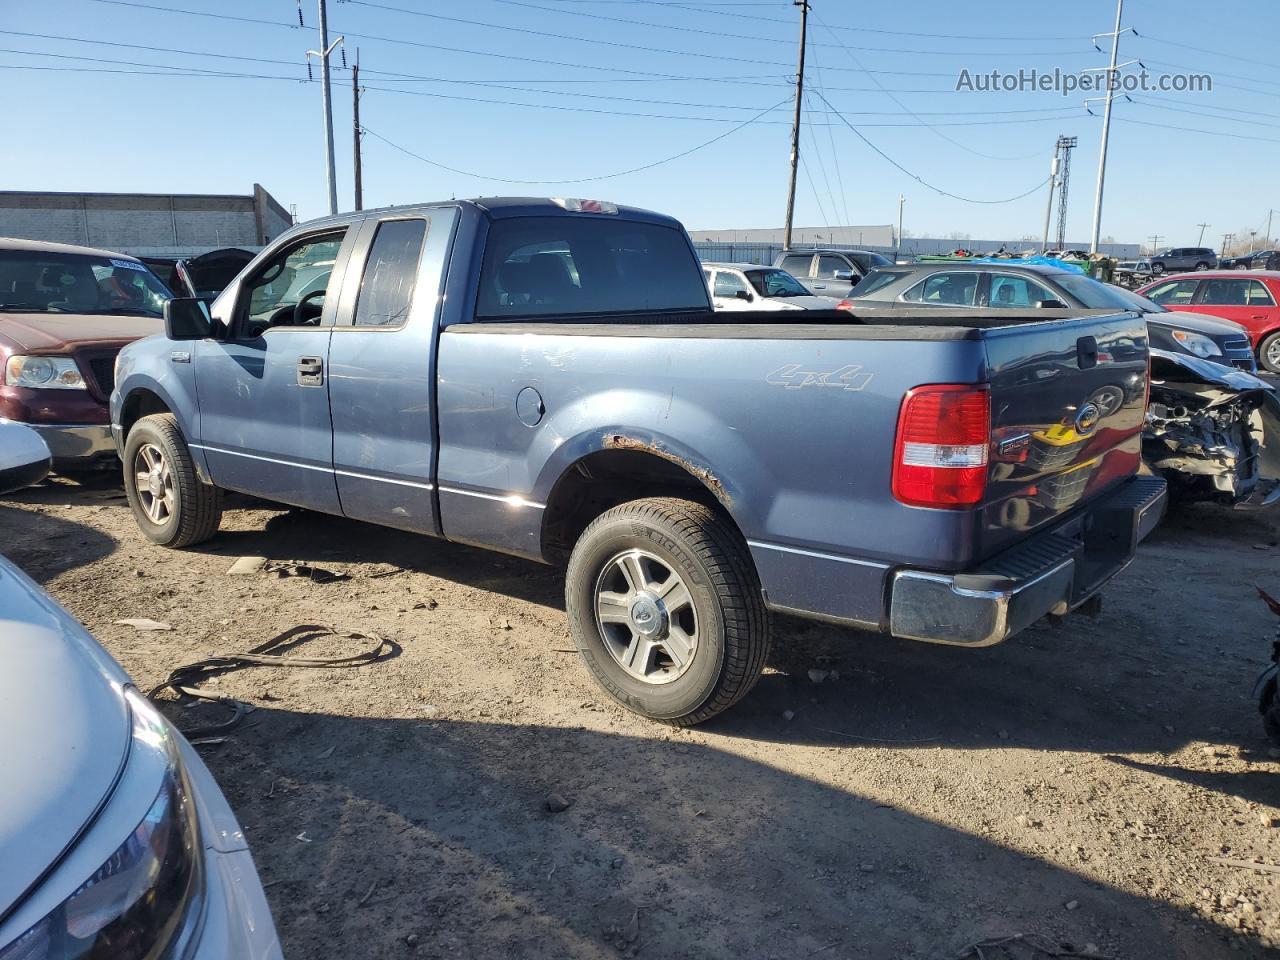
x=115, y=842
x=749, y=286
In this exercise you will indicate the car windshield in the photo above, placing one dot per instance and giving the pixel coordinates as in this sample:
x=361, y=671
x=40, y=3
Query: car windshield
x=1093, y=294
x=775, y=283
x=38, y=282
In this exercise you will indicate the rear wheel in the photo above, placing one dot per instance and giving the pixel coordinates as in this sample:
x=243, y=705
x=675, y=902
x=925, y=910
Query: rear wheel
x=665, y=607
x=1157, y=268
x=171, y=504
x=1202, y=266
x=1269, y=352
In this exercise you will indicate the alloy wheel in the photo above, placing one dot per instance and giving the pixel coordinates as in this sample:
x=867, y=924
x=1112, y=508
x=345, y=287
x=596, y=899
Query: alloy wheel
x=154, y=482
x=646, y=616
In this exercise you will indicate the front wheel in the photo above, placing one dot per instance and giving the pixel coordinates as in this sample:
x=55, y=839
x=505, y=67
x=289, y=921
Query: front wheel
x=1269, y=353
x=1157, y=268
x=665, y=607
x=172, y=505
x=1202, y=266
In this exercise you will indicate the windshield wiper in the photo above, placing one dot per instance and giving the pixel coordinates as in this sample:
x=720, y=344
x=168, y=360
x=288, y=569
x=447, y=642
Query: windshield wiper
x=120, y=312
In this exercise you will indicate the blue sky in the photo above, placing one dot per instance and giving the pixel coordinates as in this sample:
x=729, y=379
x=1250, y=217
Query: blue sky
x=637, y=81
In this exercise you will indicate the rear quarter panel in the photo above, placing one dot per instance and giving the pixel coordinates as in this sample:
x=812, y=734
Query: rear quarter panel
x=792, y=430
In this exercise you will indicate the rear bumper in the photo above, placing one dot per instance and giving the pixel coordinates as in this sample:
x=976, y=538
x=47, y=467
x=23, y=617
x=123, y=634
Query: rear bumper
x=1052, y=573
x=76, y=444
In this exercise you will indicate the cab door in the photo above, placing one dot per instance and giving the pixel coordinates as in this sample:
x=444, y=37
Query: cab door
x=264, y=388
x=382, y=367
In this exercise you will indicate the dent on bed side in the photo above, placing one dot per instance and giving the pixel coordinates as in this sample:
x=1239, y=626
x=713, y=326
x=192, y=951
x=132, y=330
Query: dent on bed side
x=619, y=441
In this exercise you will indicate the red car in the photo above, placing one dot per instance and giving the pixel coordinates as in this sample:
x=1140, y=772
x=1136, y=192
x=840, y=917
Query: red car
x=1249, y=298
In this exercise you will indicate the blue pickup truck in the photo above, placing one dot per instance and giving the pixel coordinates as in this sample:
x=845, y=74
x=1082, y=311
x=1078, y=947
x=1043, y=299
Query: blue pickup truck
x=547, y=378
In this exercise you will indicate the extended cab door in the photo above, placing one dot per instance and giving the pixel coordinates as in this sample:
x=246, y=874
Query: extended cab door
x=382, y=369
x=264, y=388
x=834, y=276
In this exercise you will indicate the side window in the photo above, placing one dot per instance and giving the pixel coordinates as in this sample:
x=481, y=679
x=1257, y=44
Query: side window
x=728, y=284
x=289, y=291
x=1258, y=295
x=946, y=289
x=828, y=265
x=797, y=264
x=1173, y=292
x=1008, y=291
x=390, y=273
x=1225, y=292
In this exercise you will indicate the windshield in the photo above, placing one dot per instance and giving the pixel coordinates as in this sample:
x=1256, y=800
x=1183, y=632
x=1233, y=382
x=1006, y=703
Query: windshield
x=34, y=281
x=1093, y=294
x=775, y=283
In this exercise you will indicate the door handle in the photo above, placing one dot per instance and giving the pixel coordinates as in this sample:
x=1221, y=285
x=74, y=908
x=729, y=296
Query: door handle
x=819, y=286
x=310, y=371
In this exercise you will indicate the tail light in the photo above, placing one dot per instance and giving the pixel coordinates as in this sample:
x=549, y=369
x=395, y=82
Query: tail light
x=940, y=458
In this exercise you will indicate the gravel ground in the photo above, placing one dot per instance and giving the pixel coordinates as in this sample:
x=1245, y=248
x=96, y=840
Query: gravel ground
x=870, y=799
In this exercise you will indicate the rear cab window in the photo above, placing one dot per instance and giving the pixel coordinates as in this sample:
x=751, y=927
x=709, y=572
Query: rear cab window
x=586, y=266
x=797, y=264
x=386, y=291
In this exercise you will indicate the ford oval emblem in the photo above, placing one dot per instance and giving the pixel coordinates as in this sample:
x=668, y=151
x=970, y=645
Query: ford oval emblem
x=1087, y=418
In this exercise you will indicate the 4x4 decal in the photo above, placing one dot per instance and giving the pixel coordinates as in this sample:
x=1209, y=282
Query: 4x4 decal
x=848, y=377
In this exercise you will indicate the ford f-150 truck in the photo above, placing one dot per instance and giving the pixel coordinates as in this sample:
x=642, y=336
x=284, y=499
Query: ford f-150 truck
x=547, y=378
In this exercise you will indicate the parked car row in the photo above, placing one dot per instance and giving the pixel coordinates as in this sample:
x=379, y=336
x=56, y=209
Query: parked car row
x=1251, y=301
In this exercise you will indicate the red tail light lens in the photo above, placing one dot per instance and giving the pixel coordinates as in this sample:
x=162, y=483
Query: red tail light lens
x=940, y=459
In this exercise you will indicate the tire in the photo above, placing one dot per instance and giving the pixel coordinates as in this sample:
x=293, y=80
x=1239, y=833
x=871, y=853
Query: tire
x=1202, y=266
x=189, y=510
x=1157, y=268
x=721, y=609
x=1269, y=353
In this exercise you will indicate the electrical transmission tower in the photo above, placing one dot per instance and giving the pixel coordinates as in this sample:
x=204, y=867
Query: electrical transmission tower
x=1065, y=146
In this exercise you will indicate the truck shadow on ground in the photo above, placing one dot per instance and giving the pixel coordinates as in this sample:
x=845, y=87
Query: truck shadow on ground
x=390, y=837
x=1111, y=685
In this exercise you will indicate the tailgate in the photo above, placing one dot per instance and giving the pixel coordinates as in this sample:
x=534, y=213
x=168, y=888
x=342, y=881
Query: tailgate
x=1068, y=401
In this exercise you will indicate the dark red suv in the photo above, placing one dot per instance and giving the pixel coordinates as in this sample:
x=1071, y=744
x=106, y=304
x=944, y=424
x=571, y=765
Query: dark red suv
x=65, y=312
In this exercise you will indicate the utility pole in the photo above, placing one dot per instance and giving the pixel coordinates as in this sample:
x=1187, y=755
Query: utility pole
x=1202, y=228
x=1106, y=126
x=1253, y=234
x=1226, y=243
x=1048, y=210
x=1155, y=244
x=897, y=252
x=355, y=130
x=1269, y=213
x=795, y=125
x=327, y=48
x=1065, y=145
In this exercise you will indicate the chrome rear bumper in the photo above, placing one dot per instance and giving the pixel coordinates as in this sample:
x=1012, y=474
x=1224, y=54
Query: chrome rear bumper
x=1052, y=573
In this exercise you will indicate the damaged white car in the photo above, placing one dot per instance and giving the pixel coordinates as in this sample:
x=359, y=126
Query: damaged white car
x=1213, y=432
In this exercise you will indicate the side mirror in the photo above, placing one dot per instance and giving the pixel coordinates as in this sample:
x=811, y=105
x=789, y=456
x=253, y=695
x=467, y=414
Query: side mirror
x=1051, y=305
x=187, y=318
x=744, y=295
x=843, y=275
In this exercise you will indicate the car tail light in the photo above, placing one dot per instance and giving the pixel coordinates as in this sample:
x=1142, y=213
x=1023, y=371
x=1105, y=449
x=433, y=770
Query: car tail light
x=940, y=458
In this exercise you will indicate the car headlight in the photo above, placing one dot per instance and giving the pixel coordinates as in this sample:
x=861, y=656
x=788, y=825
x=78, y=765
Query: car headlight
x=1197, y=343
x=53, y=373
x=145, y=897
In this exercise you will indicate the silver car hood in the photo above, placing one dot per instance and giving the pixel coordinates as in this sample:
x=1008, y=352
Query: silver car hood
x=64, y=732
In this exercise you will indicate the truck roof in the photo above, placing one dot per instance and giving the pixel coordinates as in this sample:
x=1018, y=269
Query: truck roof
x=503, y=207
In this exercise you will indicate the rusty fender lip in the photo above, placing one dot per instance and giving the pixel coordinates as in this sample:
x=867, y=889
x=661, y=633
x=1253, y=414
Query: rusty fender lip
x=620, y=441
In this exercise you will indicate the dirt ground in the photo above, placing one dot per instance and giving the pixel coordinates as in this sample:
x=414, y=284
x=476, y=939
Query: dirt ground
x=1071, y=784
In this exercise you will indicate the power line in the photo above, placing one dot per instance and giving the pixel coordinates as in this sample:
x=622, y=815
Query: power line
x=607, y=176
x=742, y=36
x=1214, y=53
x=1211, y=133
x=904, y=107
x=946, y=193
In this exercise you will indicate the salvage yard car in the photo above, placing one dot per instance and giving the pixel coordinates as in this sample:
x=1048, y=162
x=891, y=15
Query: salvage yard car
x=830, y=273
x=65, y=312
x=1249, y=300
x=1212, y=430
x=747, y=286
x=548, y=378
x=114, y=838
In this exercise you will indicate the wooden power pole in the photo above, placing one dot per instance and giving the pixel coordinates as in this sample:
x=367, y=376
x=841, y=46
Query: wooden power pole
x=355, y=130
x=795, y=127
